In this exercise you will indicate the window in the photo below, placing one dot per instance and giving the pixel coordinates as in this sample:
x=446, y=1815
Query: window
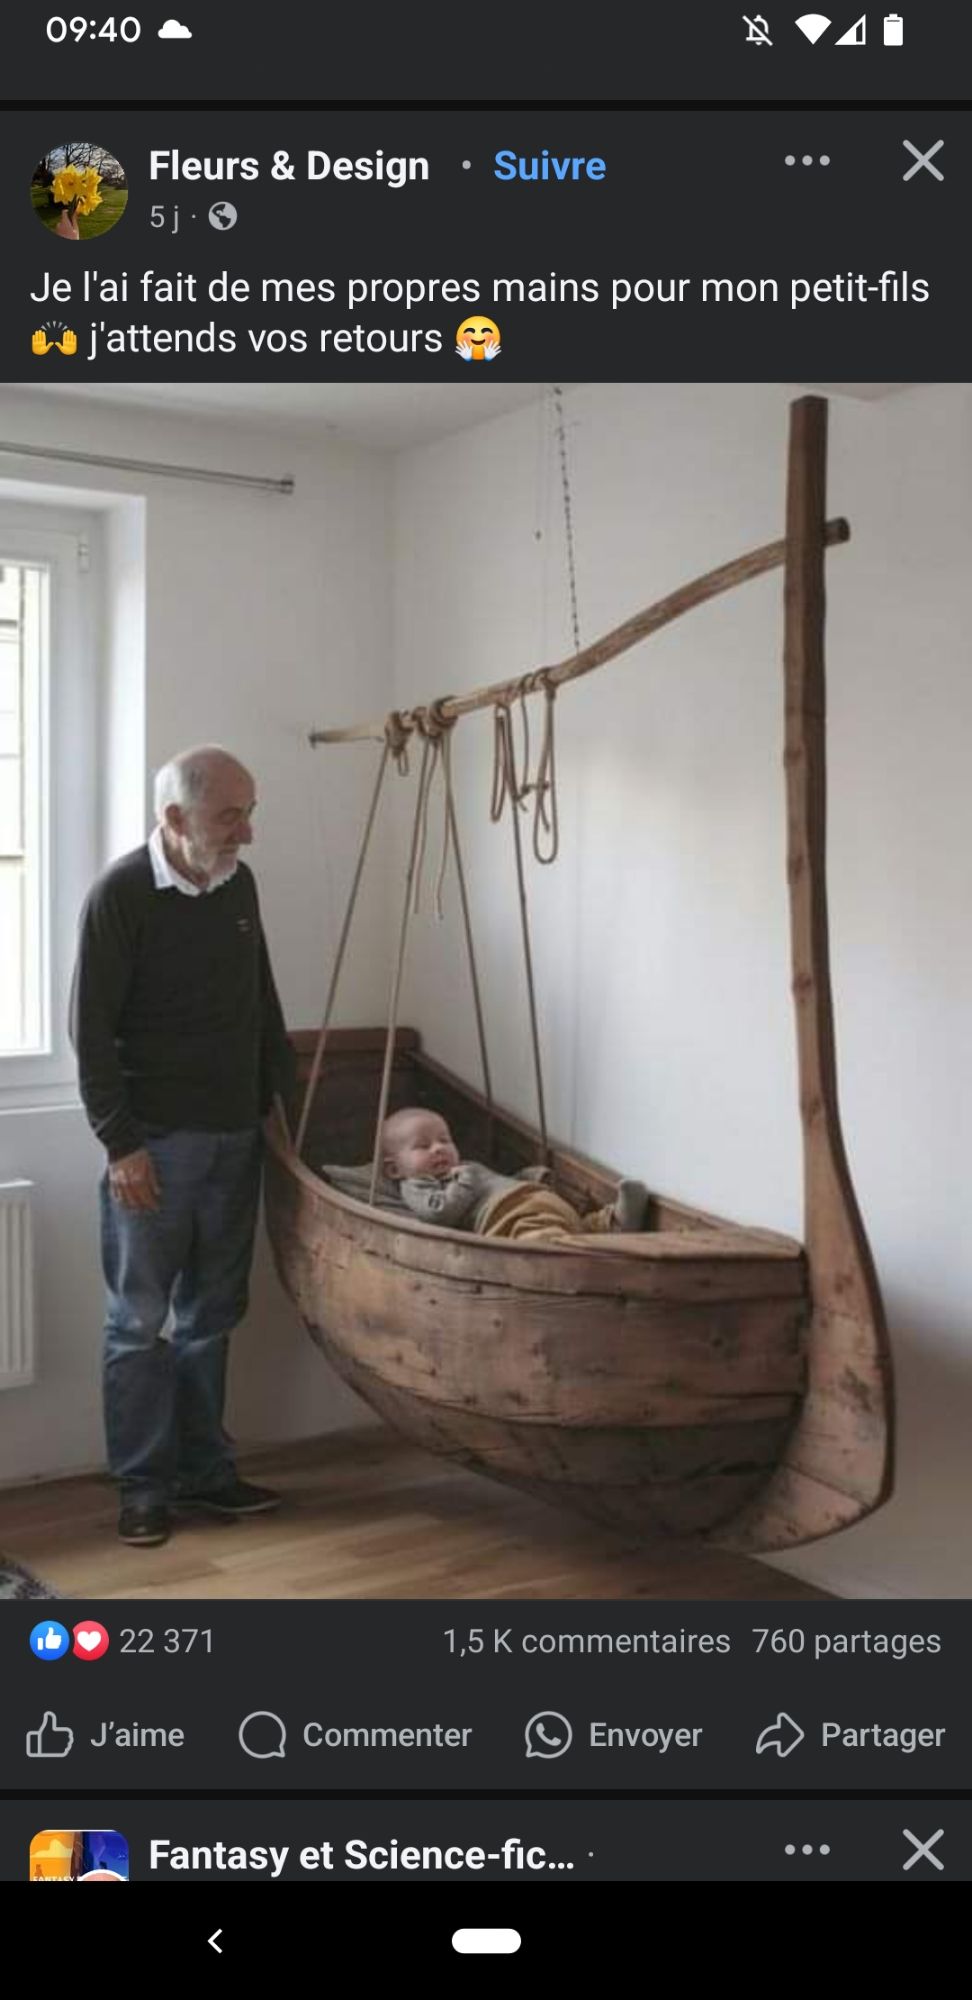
x=24, y=674
x=48, y=784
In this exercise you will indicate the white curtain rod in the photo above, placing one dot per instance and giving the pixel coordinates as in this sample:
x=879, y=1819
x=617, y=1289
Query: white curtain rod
x=200, y=472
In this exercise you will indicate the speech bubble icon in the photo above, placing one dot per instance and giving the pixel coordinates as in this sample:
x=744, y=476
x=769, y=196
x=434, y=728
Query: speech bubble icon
x=548, y=1734
x=262, y=1734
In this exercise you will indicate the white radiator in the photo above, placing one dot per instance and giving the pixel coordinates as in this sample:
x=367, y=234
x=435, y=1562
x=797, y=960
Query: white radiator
x=16, y=1285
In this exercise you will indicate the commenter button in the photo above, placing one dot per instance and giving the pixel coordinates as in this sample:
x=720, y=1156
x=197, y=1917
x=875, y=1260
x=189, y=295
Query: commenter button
x=384, y=1736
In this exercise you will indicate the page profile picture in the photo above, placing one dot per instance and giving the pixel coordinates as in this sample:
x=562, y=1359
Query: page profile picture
x=78, y=190
x=72, y=1854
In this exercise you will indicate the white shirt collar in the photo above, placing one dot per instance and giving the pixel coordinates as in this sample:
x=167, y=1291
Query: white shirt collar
x=167, y=877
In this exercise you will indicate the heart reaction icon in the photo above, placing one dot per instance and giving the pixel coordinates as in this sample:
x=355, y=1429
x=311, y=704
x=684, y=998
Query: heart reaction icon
x=91, y=1641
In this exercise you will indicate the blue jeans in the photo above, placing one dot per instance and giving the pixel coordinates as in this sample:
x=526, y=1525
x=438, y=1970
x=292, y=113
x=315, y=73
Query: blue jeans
x=164, y=1398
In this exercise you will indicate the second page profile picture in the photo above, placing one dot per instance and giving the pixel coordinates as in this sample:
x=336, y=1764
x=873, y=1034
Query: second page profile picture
x=78, y=190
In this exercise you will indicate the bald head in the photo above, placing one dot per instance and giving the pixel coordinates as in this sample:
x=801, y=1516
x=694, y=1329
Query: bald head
x=193, y=774
x=204, y=801
x=415, y=1141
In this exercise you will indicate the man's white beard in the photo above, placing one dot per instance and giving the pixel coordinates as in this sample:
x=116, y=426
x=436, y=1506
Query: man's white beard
x=205, y=859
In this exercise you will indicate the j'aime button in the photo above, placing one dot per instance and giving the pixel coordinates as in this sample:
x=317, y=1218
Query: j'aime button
x=479, y=1943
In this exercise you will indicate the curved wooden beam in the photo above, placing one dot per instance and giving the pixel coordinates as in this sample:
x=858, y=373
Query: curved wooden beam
x=837, y=1465
x=771, y=556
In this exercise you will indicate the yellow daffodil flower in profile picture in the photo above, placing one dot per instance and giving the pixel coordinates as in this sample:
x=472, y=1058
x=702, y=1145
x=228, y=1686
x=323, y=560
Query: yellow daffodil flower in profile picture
x=66, y=186
x=81, y=197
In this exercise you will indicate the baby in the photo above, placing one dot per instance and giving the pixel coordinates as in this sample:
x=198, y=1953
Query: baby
x=422, y=1171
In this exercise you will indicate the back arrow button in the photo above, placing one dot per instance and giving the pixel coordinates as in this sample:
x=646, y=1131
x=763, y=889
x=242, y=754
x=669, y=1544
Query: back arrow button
x=212, y=1941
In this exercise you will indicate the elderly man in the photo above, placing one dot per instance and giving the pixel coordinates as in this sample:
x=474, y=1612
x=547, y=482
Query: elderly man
x=181, y=1048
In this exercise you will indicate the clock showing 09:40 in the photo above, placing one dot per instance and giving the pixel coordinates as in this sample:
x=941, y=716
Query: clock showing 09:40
x=78, y=28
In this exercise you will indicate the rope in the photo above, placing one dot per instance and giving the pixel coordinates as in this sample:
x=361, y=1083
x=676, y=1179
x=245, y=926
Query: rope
x=420, y=808
x=397, y=733
x=453, y=829
x=546, y=823
x=339, y=958
x=436, y=727
x=558, y=401
x=505, y=787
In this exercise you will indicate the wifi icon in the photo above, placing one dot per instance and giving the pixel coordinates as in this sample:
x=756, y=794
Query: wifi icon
x=813, y=26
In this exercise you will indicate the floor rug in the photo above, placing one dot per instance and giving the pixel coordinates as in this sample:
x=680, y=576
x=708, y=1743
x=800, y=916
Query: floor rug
x=18, y=1582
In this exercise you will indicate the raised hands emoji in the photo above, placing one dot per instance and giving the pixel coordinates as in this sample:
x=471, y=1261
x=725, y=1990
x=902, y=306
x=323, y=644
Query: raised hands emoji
x=39, y=343
x=69, y=345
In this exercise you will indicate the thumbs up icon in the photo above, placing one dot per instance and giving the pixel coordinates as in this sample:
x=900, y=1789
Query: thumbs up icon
x=49, y=1641
x=52, y=1739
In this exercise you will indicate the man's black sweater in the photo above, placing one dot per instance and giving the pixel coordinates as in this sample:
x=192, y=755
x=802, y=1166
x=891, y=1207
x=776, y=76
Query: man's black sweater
x=174, y=1013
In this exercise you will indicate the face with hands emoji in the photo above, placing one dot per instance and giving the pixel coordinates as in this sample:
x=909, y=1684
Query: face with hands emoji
x=478, y=339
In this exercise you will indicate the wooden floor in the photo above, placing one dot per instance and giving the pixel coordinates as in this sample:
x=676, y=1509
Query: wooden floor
x=365, y=1515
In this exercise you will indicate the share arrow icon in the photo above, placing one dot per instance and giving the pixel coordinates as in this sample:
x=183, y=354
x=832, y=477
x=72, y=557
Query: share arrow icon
x=783, y=1735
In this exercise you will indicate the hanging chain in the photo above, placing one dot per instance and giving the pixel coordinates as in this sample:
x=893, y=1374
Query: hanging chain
x=558, y=403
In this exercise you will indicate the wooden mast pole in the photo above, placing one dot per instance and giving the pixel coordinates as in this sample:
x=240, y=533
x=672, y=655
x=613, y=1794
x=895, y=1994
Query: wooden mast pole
x=837, y=1465
x=741, y=570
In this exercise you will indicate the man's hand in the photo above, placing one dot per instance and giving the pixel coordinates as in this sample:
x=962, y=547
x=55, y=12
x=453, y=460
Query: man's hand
x=133, y=1181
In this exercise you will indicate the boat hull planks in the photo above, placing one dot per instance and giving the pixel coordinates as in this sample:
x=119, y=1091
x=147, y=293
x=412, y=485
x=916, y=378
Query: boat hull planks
x=649, y=1382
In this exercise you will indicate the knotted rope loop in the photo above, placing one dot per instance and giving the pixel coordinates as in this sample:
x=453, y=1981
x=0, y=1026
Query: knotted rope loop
x=502, y=780
x=506, y=783
x=433, y=721
x=435, y=727
x=397, y=733
x=546, y=825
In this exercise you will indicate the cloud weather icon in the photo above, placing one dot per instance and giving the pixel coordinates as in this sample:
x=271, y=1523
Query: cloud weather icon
x=173, y=31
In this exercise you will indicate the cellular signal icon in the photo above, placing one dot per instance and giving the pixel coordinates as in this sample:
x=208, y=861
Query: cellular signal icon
x=813, y=26
x=855, y=37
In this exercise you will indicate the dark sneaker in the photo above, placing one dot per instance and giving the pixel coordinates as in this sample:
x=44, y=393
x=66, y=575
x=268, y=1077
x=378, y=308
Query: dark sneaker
x=236, y=1497
x=143, y=1527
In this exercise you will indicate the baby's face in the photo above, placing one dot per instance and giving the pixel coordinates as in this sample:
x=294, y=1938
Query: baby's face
x=423, y=1146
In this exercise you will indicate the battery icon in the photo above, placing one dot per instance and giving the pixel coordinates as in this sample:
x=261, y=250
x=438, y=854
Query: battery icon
x=893, y=31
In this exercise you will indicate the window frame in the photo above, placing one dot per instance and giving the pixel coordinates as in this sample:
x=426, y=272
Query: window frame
x=69, y=811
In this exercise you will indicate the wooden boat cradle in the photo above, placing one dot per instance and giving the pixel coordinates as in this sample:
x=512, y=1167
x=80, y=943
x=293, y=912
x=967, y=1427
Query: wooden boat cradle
x=697, y=1379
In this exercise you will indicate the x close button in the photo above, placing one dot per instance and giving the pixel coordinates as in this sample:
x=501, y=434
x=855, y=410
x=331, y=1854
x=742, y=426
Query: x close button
x=923, y=159
x=923, y=1849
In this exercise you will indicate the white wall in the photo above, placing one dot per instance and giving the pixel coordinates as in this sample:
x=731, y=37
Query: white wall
x=262, y=616
x=661, y=938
